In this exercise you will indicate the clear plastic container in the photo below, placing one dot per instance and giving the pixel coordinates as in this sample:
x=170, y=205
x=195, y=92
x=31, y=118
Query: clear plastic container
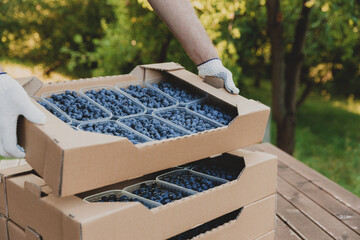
x=212, y=124
x=226, y=166
x=177, y=130
x=125, y=131
x=133, y=101
x=163, y=185
x=54, y=110
x=172, y=101
x=182, y=172
x=119, y=193
x=220, y=106
x=81, y=95
x=196, y=93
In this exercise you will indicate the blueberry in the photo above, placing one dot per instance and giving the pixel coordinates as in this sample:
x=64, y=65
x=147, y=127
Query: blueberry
x=219, y=171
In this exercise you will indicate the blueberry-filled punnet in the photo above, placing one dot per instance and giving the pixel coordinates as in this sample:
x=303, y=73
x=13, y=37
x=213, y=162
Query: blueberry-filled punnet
x=191, y=181
x=118, y=104
x=178, y=92
x=158, y=193
x=62, y=117
x=214, y=170
x=77, y=107
x=114, y=129
x=187, y=120
x=152, y=127
x=149, y=97
x=213, y=111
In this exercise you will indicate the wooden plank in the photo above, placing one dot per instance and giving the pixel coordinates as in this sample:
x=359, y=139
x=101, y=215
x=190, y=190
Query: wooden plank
x=282, y=231
x=322, y=198
x=298, y=222
x=335, y=190
x=322, y=218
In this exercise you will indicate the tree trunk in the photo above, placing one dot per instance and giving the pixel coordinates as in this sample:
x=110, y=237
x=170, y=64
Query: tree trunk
x=164, y=48
x=285, y=81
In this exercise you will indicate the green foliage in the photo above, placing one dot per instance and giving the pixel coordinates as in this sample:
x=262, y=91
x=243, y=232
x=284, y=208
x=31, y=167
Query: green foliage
x=47, y=31
x=327, y=139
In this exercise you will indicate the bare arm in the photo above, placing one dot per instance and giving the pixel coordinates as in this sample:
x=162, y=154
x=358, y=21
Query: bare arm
x=181, y=19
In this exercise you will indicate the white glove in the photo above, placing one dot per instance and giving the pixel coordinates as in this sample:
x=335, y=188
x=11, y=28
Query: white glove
x=14, y=101
x=215, y=68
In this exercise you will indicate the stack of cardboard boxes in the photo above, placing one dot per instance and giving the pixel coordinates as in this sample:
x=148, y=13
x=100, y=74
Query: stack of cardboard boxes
x=45, y=201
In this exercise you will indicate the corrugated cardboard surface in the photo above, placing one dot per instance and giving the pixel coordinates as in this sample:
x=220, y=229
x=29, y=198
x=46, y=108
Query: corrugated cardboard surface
x=3, y=228
x=15, y=232
x=5, y=173
x=31, y=204
x=269, y=236
x=74, y=161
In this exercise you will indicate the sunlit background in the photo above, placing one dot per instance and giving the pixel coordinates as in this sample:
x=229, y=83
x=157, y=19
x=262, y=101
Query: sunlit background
x=59, y=40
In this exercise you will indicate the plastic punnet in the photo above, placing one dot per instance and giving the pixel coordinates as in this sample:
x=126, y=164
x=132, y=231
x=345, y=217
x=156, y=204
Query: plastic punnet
x=119, y=193
x=133, y=101
x=125, y=131
x=45, y=96
x=172, y=101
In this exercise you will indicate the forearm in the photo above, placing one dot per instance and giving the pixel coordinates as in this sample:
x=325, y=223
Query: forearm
x=181, y=19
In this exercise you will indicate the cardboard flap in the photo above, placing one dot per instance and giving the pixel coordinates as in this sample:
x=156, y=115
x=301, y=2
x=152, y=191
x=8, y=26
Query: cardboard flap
x=30, y=84
x=33, y=188
x=215, y=81
x=167, y=66
x=31, y=234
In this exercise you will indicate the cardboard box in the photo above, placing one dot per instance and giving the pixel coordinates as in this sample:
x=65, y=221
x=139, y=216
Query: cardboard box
x=75, y=161
x=269, y=236
x=7, y=173
x=17, y=233
x=32, y=204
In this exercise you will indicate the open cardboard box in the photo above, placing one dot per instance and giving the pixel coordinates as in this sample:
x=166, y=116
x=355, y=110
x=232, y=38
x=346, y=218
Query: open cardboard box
x=75, y=161
x=31, y=204
x=14, y=232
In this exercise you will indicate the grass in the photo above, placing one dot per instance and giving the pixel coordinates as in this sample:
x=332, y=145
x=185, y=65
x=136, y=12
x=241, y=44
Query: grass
x=327, y=135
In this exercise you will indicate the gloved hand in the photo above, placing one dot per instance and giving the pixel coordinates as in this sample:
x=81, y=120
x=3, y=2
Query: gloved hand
x=215, y=68
x=14, y=101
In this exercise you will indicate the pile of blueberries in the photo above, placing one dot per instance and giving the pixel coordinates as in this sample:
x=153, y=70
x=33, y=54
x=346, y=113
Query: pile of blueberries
x=191, y=181
x=115, y=102
x=149, y=97
x=76, y=107
x=152, y=127
x=178, y=92
x=187, y=120
x=56, y=113
x=112, y=128
x=158, y=194
x=206, y=226
x=218, y=171
x=213, y=112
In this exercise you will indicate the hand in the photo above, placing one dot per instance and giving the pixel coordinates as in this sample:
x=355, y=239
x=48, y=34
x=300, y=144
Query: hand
x=215, y=68
x=14, y=101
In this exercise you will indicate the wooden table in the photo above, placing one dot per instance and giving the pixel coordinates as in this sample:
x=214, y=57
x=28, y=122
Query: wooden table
x=309, y=205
